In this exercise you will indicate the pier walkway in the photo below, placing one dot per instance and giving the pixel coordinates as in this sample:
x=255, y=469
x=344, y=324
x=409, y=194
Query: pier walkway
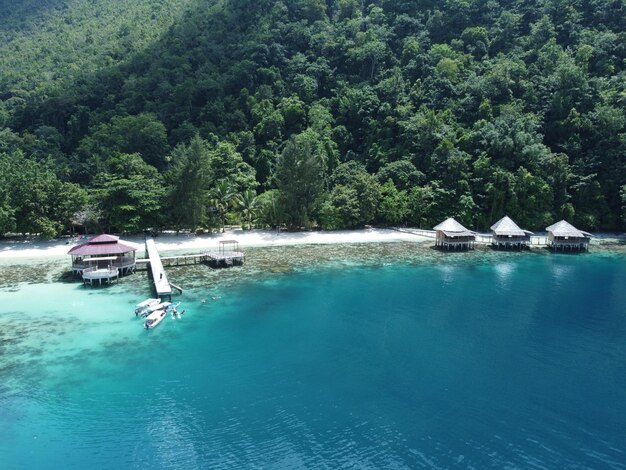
x=215, y=260
x=155, y=263
x=161, y=284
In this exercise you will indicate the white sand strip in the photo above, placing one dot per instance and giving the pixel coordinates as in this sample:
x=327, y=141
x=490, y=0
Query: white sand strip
x=34, y=248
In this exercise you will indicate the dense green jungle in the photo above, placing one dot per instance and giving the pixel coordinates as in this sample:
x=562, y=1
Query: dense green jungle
x=138, y=115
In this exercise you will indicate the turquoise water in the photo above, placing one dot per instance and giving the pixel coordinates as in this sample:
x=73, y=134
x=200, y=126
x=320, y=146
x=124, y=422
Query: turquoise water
x=518, y=361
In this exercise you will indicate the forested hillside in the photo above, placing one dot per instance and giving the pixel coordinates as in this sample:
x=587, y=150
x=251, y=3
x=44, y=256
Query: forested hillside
x=188, y=114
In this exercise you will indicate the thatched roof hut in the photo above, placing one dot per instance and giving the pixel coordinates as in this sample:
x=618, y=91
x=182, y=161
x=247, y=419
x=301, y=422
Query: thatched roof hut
x=451, y=234
x=564, y=235
x=507, y=234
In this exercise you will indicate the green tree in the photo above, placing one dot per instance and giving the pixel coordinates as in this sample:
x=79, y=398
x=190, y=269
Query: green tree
x=129, y=194
x=188, y=181
x=221, y=199
x=228, y=164
x=270, y=208
x=353, y=176
x=422, y=206
x=142, y=134
x=403, y=174
x=328, y=216
x=33, y=200
x=345, y=200
x=299, y=174
x=394, y=205
x=249, y=207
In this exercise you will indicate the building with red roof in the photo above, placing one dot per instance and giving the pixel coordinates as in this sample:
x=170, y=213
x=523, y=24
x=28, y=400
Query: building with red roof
x=103, y=252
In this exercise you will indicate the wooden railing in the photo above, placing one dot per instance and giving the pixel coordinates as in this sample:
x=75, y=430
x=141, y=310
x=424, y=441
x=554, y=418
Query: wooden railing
x=119, y=263
x=102, y=273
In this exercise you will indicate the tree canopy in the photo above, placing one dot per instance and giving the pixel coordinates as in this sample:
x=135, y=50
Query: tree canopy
x=335, y=113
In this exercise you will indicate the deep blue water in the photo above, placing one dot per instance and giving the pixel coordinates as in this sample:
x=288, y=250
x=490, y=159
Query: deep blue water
x=517, y=363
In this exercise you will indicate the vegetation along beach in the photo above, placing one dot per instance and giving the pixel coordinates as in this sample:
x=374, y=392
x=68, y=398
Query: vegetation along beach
x=312, y=234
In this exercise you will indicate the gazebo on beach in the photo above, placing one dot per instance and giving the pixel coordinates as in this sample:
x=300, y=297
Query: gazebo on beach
x=565, y=236
x=507, y=234
x=103, y=252
x=451, y=234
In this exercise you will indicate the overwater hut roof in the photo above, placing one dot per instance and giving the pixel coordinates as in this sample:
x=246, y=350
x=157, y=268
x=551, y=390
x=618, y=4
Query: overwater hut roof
x=452, y=228
x=565, y=229
x=104, y=238
x=506, y=227
x=103, y=245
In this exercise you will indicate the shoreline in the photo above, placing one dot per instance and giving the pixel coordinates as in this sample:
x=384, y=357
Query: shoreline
x=33, y=248
x=37, y=249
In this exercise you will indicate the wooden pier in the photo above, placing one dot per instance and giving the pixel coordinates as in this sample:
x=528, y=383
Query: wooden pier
x=161, y=284
x=215, y=260
x=225, y=259
x=155, y=263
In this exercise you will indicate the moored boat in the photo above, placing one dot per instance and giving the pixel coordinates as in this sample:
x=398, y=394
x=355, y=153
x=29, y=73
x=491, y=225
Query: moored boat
x=154, y=308
x=142, y=306
x=172, y=307
x=154, y=319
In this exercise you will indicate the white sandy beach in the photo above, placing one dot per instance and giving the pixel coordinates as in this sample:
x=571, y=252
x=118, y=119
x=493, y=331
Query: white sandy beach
x=35, y=248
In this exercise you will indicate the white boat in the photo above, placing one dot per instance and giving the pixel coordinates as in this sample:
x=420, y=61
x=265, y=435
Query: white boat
x=154, y=319
x=153, y=308
x=141, y=306
x=172, y=307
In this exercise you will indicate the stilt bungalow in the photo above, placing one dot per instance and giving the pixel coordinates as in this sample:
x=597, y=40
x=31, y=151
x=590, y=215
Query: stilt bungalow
x=506, y=234
x=103, y=258
x=452, y=235
x=564, y=236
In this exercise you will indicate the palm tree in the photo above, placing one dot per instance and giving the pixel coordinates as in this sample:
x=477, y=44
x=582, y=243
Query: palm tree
x=248, y=205
x=221, y=198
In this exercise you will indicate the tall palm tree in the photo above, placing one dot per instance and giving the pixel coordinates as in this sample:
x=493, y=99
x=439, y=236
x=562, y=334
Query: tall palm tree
x=221, y=198
x=248, y=205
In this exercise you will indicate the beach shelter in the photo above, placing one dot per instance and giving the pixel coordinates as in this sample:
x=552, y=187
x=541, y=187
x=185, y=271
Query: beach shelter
x=103, y=251
x=506, y=234
x=451, y=234
x=565, y=236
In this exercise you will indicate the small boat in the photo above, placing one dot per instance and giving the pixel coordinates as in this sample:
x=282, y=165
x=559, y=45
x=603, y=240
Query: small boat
x=141, y=306
x=154, y=319
x=171, y=307
x=154, y=308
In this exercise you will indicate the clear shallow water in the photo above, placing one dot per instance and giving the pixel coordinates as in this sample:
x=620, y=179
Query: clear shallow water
x=502, y=361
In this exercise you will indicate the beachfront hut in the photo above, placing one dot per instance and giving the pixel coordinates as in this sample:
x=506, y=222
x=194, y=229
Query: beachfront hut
x=506, y=234
x=104, y=252
x=565, y=236
x=451, y=234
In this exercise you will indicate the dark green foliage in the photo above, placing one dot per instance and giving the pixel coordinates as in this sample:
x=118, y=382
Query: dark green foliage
x=249, y=207
x=221, y=198
x=33, y=200
x=394, y=204
x=299, y=175
x=188, y=183
x=128, y=194
x=404, y=112
x=365, y=188
x=270, y=210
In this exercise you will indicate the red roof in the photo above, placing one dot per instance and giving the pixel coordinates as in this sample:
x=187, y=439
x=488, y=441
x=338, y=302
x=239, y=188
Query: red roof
x=104, y=238
x=103, y=245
